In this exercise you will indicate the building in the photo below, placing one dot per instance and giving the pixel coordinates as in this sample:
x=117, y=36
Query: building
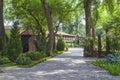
x=28, y=39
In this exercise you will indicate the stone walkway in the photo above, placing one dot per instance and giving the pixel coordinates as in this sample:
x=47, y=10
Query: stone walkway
x=68, y=66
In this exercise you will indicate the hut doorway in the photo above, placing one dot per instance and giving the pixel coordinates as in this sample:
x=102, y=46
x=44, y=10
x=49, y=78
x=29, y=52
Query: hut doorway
x=25, y=43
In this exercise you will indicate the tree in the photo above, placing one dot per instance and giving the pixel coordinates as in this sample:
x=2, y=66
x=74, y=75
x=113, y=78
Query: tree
x=89, y=24
x=14, y=48
x=50, y=27
x=30, y=16
x=2, y=30
x=60, y=14
x=88, y=18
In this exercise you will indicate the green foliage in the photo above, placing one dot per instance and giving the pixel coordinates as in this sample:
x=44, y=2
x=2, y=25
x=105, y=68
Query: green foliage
x=100, y=63
x=60, y=44
x=113, y=69
x=14, y=48
x=34, y=55
x=41, y=43
x=110, y=58
x=55, y=52
x=23, y=60
x=113, y=58
x=86, y=43
x=43, y=54
x=4, y=60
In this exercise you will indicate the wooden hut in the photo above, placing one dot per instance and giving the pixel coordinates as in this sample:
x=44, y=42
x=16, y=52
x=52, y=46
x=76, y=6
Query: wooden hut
x=28, y=41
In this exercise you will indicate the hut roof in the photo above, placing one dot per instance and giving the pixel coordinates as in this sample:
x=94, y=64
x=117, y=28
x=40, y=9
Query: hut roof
x=30, y=32
x=26, y=32
x=63, y=33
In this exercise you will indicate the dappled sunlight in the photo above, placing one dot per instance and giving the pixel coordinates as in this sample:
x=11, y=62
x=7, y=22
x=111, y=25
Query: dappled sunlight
x=68, y=66
x=54, y=72
x=78, y=61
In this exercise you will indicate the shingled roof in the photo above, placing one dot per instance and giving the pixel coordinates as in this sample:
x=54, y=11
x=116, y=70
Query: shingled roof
x=63, y=33
x=26, y=32
x=30, y=32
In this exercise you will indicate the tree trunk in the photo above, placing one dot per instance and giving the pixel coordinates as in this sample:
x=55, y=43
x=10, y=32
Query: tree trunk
x=92, y=48
x=54, y=42
x=87, y=7
x=89, y=24
x=93, y=38
x=99, y=46
x=107, y=42
x=50, y=27
x=2, y=29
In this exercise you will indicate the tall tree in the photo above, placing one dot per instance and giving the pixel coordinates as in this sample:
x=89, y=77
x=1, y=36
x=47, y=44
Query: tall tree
x=87, y=8
x=2, y=29
x=89, y=24
x=30, y=16
x=50, y=27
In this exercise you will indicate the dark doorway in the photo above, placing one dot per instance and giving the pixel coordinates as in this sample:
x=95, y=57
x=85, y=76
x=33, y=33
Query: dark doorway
x=25, y=42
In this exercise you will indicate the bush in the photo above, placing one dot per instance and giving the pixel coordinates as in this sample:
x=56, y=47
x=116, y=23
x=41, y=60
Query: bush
x=60, y=44
x=14, y=48
x=23, y=60
x=4, y=60
x=55, y=52
x=34, y=55
x=41, y=43
x=85, y=43
x=113, y=69
x=43, y=54
x=110, y=58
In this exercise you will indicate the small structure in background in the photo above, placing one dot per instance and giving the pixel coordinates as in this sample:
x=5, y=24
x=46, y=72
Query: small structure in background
x=28, y=41
x=66, y=37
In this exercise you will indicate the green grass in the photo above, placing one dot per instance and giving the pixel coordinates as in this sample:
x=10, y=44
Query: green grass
x=33, y=63
x=11, y=64
x=73, y=44
x=8, y=64
x=113, y=69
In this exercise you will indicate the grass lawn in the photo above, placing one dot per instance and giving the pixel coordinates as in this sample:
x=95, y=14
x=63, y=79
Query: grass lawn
x=11, y=64
x=113, y=69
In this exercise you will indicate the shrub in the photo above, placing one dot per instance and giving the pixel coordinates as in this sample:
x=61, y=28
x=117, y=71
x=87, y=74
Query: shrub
x=55, y=52
x=4, y=60
x=34, y=55
x=41, y=43
x=14, y=48
x=43, y=54
x=110, y=58
x=113, y=69
x=60, y=44
x=85, y=43
x=23, y=60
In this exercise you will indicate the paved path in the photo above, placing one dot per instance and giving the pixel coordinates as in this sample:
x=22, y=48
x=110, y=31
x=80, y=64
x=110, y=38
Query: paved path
x=68, y=66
